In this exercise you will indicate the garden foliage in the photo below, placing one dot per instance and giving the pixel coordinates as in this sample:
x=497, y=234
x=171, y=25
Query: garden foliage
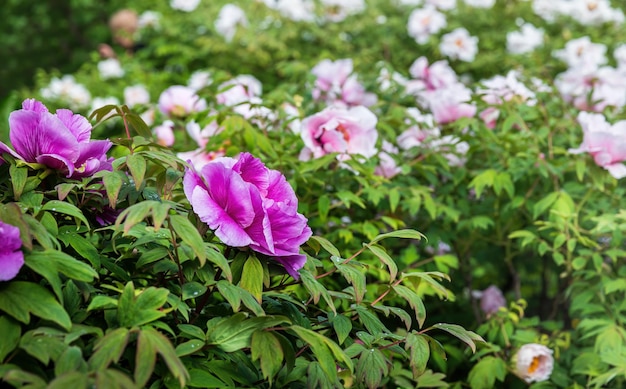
x=326, y=194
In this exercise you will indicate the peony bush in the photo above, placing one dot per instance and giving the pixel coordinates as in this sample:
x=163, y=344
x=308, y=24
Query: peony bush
x=322, y=194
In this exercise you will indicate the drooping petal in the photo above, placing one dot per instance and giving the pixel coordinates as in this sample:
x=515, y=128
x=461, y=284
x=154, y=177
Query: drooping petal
x=279, y=189
x=292, y=263
x=92, y=158
x=10, y=264
x=57, y=162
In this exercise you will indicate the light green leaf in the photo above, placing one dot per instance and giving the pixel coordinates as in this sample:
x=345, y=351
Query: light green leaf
x=65, y=208
x=266, y=347
x=405, y=234
x=190, y=235
x=252, y=277
x=381, y=253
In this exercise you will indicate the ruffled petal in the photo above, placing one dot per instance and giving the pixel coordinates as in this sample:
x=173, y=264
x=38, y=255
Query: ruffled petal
x=10, y=264
x=77, y=124
x=292, y=263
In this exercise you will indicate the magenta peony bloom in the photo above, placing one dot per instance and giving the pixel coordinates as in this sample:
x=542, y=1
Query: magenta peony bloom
x=247, y=204
x=340, y=130
x=180, y=101
x=11, y=257
x=605, y=142
x=60, y=141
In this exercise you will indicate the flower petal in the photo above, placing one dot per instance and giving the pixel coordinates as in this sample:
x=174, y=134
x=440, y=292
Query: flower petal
x=10, y=264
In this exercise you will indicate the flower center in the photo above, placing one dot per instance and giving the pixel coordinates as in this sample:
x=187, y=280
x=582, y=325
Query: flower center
x=534, y=365
x=344, y=131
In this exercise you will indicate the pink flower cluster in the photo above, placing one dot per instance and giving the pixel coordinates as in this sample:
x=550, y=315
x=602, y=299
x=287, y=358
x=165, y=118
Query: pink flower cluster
x=605, y=142
x=249, y=205
x=336, y=84
x=499, y=89
x=437, y=87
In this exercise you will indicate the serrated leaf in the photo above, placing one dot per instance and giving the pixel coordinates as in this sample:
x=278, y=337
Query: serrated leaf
x=342, y=326
x=109, y=348
x=371, y=368
x=484, y=374
x=419, y=351
x=266, y=348
x=355, y=277
x=20, y=299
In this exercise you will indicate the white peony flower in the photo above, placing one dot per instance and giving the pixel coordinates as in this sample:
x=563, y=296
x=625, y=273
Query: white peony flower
x=229, y=18
x=534, y=362
x=66, y=89
x=480, y=3
x=110, y=68
x=185, y=5
x=136, y=95
x=424, y=22
x=459, y=44
x=525, y=40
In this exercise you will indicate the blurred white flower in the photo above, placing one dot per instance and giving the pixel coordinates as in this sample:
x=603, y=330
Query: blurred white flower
x=229, y=18
x=199, y=79
x=136, y=95
x=582, y=51
x=149, y=19
x=525, y=40
x=534, y=362
x=444, y=5
x=296, y=10
x=67, y=90
x=184, y=5
x=338, y=10
x=99, y=102
x=110, y=68
x=480, y=3
x=459, y=44
x=424, y=22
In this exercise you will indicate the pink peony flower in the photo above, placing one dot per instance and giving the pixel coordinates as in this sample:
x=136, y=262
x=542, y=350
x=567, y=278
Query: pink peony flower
x=165, y=133
x=247, y=204
x=335, y=84
x=606, y=143
x=59, y=141
x=450, y=104
x=340, y=130
x=180, y=101
x=240, y=89
x=11, y=257
x=387, y=167
x=534, y=362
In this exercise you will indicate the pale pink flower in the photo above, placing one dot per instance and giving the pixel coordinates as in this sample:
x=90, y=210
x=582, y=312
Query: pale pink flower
x=136, y=95
x=490, y=117
x=450, y=104
x=437, y=75
x=422, y=130
x=165, y=133
x=180, y=101
x=444, y=5
x=534, y=362
x=491, y=299
x=110, y=68
x=387, y=166
x=335, y=83
x=184, y=5
x=499, y=89
x=240, y=89
x=592, y=88
x=595, y=12
x=424, y=22
x=451, y=148
x=338, y=10
x=340, y=130
x=459, y=44
x=199, y=79
x=200, y=156
x=296, y=10
x=480, y=3
x=605, y=142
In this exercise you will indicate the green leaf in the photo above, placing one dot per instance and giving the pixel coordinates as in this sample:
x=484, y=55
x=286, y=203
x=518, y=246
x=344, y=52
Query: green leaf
x=189, y=347
x=325, y=243
x=542, y=205
x=371, y=368
x=316, y=289
x=18, y=179
x=342, y=326
x=394, y=199
x=102, y=302
x=503, y=181
x=11, y=333
x=323, y=205
x=266, y=347
x=113, y=379
x=405, y=234
x=20, y=299
x=355, y=277
x=484, y=374
x=420, y=352
x=73, y=379
x=381, y=253
x=371, y=321
x=165, y=349
x=193, y=289
x=109, y=348
x=190, y=235
x=414, y=301
x=136, y=310
x=483, y=180
x=65, y=208
x=320, y=350
x=203, y=379
x=233, y=333
x=252, y=277
x=461, y=333
x=137, y=166
x=432, y=380
x=145, y=359
x=69, y=361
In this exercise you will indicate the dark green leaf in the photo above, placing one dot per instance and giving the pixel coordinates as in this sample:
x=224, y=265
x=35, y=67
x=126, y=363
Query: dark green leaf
x=20, y=299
